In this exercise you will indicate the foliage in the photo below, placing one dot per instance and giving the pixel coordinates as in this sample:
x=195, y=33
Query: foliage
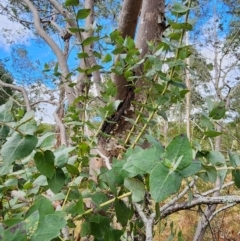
x=46, y=191
x=6, y=77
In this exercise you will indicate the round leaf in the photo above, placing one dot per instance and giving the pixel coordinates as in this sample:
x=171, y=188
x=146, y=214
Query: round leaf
x=57, y=181
x=18, y=147
x=163, y=182
x=45, y=163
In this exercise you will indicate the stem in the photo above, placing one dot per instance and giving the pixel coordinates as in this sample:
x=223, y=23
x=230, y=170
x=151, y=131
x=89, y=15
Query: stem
x=103, y=204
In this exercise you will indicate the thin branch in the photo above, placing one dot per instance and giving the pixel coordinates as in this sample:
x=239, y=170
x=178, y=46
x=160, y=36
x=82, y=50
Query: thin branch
x=199, y=201
x=217, y=189
x=220, y=210
x=179, y=196
x=105, y=159
x=45, y=101
x=21, y=89
x=148, y=222
x=59, y=122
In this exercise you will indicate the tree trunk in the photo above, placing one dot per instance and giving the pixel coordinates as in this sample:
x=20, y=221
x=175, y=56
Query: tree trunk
x=150, y=28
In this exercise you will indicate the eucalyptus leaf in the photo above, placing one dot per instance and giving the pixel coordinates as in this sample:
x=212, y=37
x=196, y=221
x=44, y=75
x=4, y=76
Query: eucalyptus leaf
x=57, y=181
x=45, y=163
x=163, y=182
x=83, y=13
x=18, y=147
x=136, y=187
x=179, y=146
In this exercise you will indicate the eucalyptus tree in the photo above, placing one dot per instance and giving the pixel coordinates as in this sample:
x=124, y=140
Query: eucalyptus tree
x=138, y=182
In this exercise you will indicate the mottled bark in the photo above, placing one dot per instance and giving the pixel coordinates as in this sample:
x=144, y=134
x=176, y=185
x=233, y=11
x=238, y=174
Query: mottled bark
x=127, y=26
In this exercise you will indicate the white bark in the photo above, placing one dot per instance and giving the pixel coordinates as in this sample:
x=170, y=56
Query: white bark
x=21, y=89
x=62, y=60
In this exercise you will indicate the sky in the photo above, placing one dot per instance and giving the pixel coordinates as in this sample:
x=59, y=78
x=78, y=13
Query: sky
x=40, y=54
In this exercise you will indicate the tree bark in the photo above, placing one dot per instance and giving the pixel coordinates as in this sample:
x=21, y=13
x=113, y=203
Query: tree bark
x=127, y=27
x=62, y=59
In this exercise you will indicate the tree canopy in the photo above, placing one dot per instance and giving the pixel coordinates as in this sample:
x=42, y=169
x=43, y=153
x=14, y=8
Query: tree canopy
x=145, y=106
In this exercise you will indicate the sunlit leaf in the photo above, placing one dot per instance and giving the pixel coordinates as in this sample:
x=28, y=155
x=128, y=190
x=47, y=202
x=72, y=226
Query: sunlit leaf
x=18, y=147
x=83, y=13
x=71, y=3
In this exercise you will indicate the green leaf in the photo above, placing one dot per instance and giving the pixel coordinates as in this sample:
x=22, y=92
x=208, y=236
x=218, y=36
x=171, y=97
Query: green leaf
x=15, y=233
x=234, y=159
x=85, y=229
x=72, y=169
x=5, y=169
x=42, y=205
x=94, y=68
x=76, y=30
x=97, y=54
x=179, y=8
x=18, y=147
x=122, y=212
x=47, y=141
x=191, y=170
x=57, y=181
x=32, y=224
x=118, y=50
x=83, y=13
x=210, y=66
x=209, y=104
x=50, y=227
x=144, y=160
x=175, y=36
x=82, y=55
x=89, y=40
x=209, y=174
x=236, y=177
x=212, y=133
x=163, y=182
x=218, y=111
x=182, y=26
x=71, y=3
x=45, y=163
x=107, y=58
x=61, y=155
x=206, y=123
x=136, y=187
x=5, y=112
x=216, y=158
x=129, y=43
x=162, y=114
x=179, y=147
x=110, y=178
x=80, y=205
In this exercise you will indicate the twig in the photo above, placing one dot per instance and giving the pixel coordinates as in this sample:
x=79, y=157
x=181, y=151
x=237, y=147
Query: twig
x=21, y=89
x=105, y=159
x=148, y=222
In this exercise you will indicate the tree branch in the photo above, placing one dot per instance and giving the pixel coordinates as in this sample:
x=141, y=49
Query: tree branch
x=148, y=222
x=21, y=89
x=199, y=201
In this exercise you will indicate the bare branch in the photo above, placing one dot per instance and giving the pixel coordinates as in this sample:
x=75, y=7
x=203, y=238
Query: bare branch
x=63, y=136
x=199, y=201
x=21, y=89
x=179, y=196
x=148, y=222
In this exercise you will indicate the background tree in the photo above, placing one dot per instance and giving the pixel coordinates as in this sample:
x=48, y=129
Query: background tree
x=5, y=77
x=138, y=182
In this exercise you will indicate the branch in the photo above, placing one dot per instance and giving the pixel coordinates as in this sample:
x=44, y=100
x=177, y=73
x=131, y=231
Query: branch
x=21, y=89
x=148, y=222
x=199, y=201
x=105, y=159
x=59, y=122
x=179, y=196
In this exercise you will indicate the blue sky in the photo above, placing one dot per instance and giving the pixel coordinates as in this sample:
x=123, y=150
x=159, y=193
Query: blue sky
x=39, y=53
